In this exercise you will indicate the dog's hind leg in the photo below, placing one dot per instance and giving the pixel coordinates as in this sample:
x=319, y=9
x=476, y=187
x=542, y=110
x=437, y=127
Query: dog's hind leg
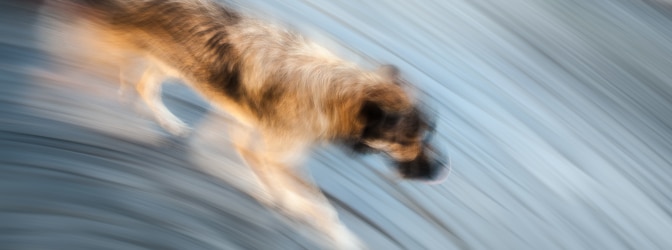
x=149, y=88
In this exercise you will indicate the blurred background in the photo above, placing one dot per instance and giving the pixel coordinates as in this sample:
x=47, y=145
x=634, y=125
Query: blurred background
x=557, y=116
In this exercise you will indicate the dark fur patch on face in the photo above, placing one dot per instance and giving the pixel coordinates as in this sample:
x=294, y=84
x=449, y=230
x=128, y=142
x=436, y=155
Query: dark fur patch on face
x=372, y=115
x=399, y=128
x=403, y=129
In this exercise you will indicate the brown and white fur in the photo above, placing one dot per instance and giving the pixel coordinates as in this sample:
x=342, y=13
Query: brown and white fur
x=289, y=94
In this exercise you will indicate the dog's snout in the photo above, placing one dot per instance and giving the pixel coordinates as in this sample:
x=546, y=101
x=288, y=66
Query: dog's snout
x=428, y=167
x=440, y=172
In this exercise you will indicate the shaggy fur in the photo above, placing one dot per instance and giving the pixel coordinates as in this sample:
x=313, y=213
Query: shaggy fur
x=289, y=94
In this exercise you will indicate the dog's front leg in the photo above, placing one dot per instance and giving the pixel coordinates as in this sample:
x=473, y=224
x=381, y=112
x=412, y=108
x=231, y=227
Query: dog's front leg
x=295, y=195
x=245, y=142
x=303, y=201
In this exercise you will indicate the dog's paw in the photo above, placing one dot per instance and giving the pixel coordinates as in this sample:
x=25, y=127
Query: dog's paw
x=345, y=239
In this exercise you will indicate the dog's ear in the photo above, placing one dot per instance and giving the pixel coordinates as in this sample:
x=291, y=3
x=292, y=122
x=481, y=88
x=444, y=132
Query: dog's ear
x=390, y=98
x=389, y=72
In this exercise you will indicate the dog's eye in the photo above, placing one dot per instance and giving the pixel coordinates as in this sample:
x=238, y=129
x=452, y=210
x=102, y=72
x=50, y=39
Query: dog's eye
x=390, y=122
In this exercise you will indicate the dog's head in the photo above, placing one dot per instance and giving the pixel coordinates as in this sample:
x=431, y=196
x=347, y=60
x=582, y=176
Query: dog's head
x=401, y=130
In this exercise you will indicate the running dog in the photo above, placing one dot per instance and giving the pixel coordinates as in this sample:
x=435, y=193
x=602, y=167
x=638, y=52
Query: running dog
x=287, y=92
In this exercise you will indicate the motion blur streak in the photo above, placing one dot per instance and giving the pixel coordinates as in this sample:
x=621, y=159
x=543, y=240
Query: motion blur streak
x=557, y=115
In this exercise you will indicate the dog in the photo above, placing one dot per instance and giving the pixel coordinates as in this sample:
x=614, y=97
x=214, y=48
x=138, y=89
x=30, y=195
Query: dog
x=287, y=92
